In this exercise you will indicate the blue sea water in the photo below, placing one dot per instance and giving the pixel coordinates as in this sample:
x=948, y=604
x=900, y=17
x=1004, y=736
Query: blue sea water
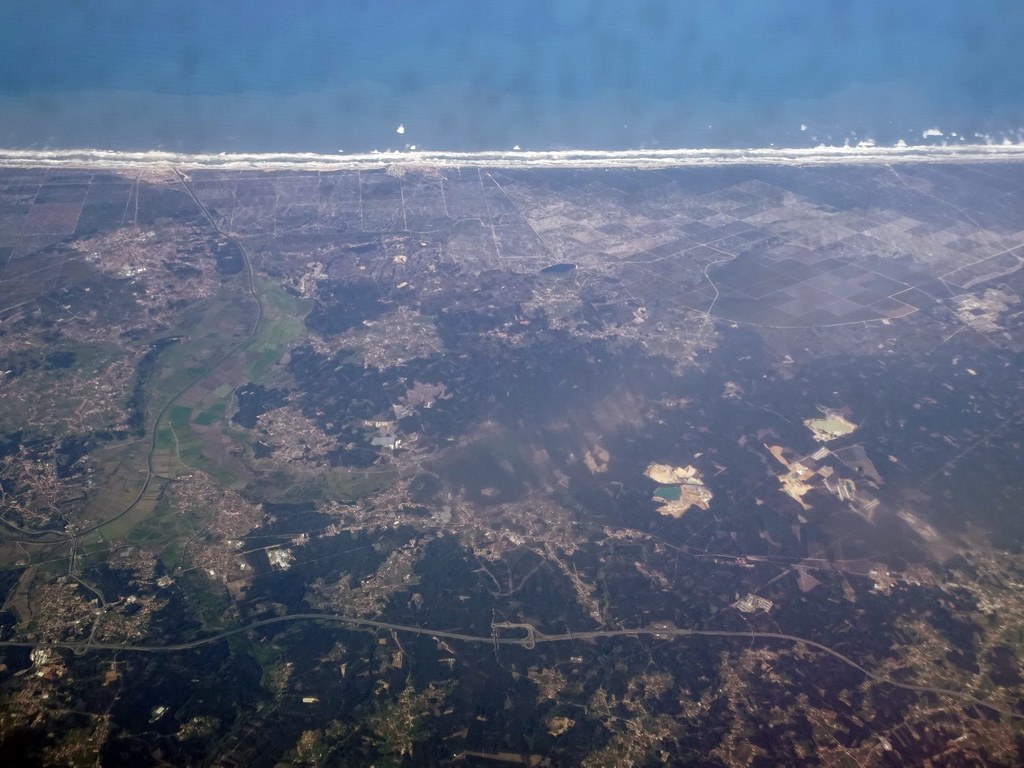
x=470, y=75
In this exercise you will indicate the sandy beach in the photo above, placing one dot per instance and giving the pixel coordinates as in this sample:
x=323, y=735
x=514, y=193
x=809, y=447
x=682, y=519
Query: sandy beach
x=632, y=159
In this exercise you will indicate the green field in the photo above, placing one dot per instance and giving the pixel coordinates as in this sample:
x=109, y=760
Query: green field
x=193, y=385
x=344, y=484
x=282, y=325
x=213, y=414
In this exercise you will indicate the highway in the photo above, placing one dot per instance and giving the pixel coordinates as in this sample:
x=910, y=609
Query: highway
x=528, y=641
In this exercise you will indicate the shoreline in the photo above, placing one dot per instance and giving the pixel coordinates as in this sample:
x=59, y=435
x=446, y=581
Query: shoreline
x=636, y=159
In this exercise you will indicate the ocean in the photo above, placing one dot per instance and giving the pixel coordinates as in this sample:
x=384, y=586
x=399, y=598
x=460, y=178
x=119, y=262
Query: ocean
x=354, y=76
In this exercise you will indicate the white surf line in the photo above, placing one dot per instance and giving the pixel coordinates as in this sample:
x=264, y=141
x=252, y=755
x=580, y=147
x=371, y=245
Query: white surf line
x=625, y=159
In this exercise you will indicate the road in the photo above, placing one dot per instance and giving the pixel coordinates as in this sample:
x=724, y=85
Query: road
x=529, y=641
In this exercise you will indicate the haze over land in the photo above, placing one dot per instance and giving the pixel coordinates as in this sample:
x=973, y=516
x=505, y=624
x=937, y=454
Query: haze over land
x=369, y=463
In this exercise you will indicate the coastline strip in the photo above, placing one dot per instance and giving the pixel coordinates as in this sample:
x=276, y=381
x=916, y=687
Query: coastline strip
x=625, y=159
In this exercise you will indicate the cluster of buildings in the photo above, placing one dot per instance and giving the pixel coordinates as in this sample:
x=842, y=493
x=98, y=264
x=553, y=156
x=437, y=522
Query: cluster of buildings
x=753, y=604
